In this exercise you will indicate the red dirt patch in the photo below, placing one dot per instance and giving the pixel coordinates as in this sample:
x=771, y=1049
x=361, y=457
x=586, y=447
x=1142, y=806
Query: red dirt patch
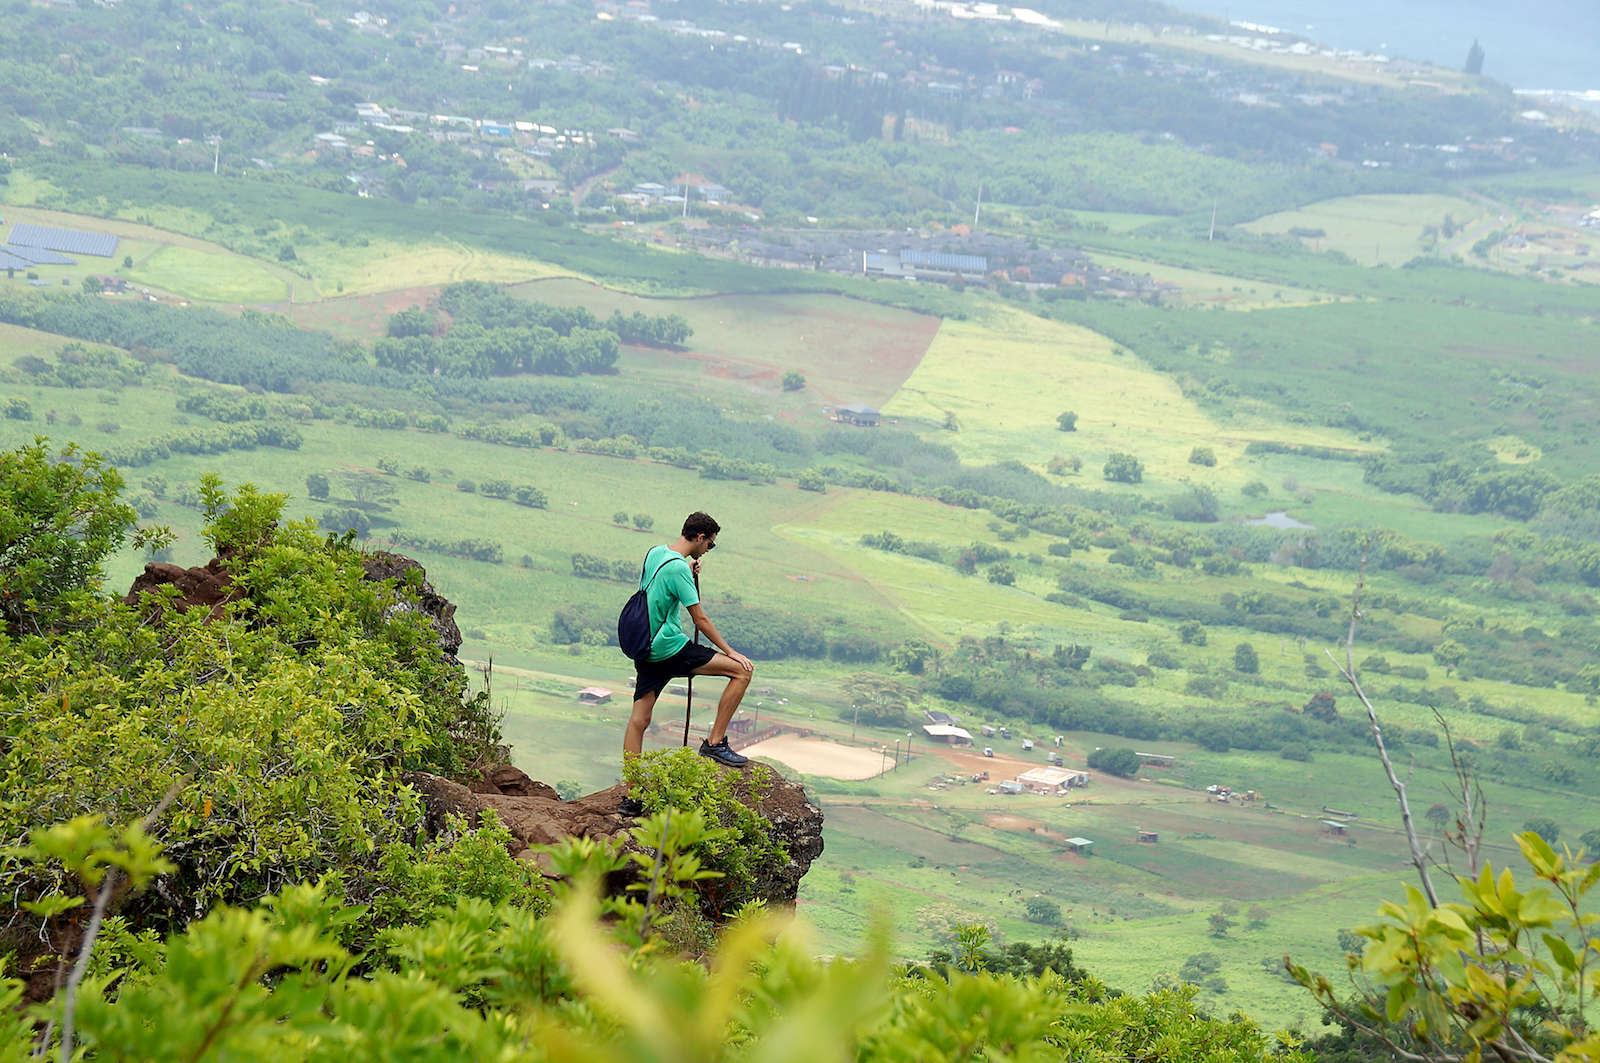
x=360, y=316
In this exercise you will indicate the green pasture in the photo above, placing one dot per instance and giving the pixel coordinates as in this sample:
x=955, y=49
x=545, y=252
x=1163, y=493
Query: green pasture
x=170, y=261
x=1374, y=229
x=1202, y=288
x=17, y=341
x=848, y=350
x=1007, y=379
x=212, y=278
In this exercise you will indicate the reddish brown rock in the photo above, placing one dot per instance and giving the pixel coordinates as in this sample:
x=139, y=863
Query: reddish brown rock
x=209, y=588
x=535, y=816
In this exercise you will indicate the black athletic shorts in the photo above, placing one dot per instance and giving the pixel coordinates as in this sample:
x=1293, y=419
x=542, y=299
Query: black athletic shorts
x=655, y=675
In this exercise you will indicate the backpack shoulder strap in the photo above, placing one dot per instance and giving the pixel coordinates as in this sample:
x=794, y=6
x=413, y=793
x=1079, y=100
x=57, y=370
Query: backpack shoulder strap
x=654, y=574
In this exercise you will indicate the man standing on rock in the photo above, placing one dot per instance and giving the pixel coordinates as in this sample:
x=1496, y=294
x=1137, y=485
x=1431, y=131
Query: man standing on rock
x=668, y=580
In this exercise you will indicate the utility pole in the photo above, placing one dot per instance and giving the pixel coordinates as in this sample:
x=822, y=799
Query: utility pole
x=979, y=207
x=686, y=199
x=1212, y=235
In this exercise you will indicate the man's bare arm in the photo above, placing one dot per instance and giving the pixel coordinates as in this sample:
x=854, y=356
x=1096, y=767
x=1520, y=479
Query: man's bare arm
x=703, y=624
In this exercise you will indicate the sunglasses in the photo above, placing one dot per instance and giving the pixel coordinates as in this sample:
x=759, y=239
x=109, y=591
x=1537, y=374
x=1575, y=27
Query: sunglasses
x=711, y=546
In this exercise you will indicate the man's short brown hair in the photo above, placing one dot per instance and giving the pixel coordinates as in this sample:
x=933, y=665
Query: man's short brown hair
x=698, y=524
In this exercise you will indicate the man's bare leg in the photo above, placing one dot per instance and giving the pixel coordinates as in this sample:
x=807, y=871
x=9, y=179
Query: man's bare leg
x=638, y=723
x=738, y=682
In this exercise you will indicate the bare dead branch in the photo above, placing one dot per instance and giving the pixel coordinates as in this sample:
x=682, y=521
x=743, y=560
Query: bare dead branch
x=1419, y=858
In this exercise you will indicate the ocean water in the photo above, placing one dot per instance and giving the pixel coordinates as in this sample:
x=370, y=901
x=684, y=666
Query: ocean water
x=1528, y=44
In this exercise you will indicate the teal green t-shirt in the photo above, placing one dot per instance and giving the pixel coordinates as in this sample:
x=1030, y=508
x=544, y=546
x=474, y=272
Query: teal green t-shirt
x=672, y=589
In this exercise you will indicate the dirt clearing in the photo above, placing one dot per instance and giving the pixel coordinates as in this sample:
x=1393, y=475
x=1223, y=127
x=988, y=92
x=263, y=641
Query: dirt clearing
x=816, y=756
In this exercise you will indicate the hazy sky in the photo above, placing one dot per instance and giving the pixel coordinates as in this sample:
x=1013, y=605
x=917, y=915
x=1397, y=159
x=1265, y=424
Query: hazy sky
x=1530, y=44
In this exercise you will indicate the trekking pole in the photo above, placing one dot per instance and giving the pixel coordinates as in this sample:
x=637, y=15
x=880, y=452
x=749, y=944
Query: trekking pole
x=688, y=701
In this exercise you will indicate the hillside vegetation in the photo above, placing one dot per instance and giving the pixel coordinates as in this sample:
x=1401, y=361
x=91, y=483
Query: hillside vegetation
x=1320, y=362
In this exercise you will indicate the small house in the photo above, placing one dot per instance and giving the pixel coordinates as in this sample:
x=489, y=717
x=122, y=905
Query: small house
x=1081, y=846
x=939, y=716
x=948, y=734
x=1333, y=827
x=1148, y=837
x=1010, y=786
x=1051, y=780
x=594, y=695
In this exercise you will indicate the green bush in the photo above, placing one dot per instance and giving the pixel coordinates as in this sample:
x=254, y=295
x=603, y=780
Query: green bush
x=683, y=781
x=293, y=761
x=1124, y=468
x=59, y=518
x=1120, y=761
x=1042, y=911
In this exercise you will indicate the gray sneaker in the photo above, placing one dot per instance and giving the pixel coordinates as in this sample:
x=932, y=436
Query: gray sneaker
x=722, y=754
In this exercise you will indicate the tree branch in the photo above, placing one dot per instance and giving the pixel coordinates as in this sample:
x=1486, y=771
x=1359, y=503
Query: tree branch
x=1419, y=858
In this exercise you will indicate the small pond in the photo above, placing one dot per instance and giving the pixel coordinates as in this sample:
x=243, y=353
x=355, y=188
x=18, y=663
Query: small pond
x=1283, y=521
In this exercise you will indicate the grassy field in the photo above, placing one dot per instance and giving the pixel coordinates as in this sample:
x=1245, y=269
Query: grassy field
x=1201, y=288
x=848, y=350
x=1007, y=378
x=173, y=263
x=1374, y=229
x=210, y=277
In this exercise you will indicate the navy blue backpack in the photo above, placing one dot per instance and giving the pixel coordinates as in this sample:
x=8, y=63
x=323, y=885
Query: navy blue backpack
x=633, y=623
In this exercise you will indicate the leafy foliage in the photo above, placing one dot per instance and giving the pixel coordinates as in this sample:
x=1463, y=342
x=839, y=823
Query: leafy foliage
x=331, y=692
x=1118, y=760
x=681, y=780
x=59, y=518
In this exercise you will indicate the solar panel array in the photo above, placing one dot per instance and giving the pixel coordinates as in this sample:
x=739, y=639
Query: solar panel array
x=40, y=257
x=73, y=241
x=28, y=257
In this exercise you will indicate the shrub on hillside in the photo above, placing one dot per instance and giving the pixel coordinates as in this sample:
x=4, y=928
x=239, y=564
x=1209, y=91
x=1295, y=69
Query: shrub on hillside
x=1197, y=504
x=1120, y=761
x=335, y=684
x=681, y=780
x=1124, y=468
x=1042, y=911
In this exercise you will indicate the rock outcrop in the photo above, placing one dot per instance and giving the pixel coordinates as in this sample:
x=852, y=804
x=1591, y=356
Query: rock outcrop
x=211, y=588
x=208, y=587
x=439, y=610
x=535, y=815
